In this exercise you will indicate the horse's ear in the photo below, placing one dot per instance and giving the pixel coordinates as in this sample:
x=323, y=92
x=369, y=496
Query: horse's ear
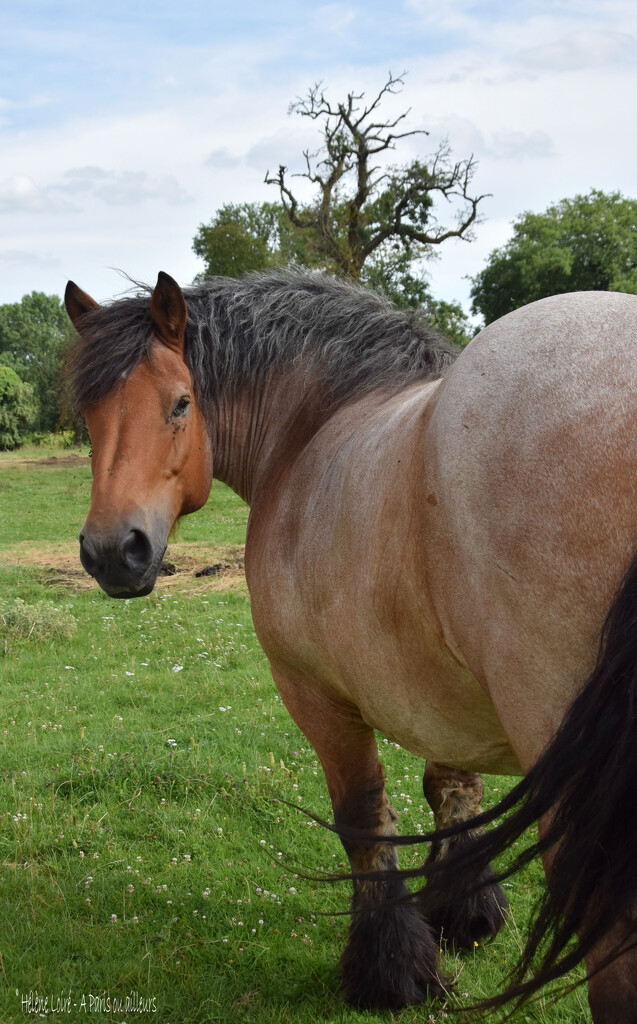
x=168, y=312
x=77, y=302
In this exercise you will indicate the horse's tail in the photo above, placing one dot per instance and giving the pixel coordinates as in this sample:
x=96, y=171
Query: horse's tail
x=585, y=784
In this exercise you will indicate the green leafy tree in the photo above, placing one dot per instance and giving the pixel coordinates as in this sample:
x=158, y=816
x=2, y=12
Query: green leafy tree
x=392, y=272
x=16, y=408
x=33, y=336
x=252, y=236
x=581, y=244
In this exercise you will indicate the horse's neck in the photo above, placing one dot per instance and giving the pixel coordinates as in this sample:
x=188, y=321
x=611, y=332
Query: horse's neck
x=259, y=429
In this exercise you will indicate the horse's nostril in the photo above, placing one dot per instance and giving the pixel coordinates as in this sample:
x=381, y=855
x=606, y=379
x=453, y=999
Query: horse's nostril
x=88, y=555
x=137, y=550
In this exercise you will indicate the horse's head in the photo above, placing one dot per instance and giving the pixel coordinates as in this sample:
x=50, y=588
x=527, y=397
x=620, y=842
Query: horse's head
x=151, y=458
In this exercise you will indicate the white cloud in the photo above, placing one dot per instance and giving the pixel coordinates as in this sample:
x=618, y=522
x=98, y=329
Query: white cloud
x=223, y=159
x=449, y=16
x=83, y=179
x=334, y=18
x=21, y=193
x=124, y=188
x=582, y=50
x=22, y=258
x=513, y=145
x=466, y=138
x=284, y=146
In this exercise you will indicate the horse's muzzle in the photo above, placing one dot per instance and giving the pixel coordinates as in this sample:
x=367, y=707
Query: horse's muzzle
x=125, y=563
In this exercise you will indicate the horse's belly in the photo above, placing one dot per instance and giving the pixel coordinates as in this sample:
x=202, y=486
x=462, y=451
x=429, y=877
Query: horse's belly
x=431, y=706
x=400, y=676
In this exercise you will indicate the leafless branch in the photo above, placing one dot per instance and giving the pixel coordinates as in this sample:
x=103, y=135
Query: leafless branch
x=348, y=180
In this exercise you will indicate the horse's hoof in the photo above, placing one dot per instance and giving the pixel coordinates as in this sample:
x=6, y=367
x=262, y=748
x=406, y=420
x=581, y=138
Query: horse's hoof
x=390, y=960
x=471, y=920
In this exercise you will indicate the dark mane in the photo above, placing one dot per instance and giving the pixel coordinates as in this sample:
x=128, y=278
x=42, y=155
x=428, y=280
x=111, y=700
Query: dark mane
x=239, y=329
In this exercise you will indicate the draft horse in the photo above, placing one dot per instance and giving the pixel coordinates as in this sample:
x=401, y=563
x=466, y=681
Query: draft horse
x=439, y=548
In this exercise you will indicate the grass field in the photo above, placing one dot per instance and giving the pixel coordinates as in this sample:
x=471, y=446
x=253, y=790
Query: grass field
x=144, y=853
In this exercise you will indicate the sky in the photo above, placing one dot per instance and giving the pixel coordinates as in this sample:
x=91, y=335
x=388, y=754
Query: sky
x=124, y=126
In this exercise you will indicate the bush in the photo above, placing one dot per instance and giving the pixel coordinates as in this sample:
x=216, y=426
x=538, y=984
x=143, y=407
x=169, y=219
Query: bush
x=49, y=439
x=17, y=408
x=40, y=621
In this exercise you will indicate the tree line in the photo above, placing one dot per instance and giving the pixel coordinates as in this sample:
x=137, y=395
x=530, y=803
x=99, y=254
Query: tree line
x=34, y=335
x=368, y=220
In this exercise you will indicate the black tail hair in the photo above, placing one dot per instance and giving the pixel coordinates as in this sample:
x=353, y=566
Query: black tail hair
x=586, y=782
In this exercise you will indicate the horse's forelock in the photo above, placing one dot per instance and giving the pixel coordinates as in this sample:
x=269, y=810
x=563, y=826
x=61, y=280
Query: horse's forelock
x=113, y=339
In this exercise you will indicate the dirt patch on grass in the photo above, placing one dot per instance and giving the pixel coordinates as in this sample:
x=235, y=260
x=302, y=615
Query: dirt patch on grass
x=55, y=461
x=61, y=564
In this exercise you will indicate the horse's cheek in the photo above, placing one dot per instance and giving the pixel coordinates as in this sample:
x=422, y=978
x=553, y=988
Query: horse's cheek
x=197, y=477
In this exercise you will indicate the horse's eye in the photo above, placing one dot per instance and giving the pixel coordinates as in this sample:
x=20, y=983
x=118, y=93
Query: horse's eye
x=181, y=408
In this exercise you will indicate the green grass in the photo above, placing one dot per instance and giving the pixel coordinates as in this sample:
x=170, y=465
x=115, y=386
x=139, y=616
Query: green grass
x=142, y=845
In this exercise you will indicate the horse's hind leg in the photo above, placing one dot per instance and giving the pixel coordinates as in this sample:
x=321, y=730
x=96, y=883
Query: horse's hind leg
x=391, y=955
x=612, y=993
x=455, y=796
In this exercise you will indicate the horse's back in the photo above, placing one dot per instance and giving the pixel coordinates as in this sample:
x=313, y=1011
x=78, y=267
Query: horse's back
x=534, y=447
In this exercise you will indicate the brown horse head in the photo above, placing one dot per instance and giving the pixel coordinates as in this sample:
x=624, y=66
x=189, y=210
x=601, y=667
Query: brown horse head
x=151, y=458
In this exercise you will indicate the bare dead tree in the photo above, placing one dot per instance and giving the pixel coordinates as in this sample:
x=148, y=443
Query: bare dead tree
x=362, y=204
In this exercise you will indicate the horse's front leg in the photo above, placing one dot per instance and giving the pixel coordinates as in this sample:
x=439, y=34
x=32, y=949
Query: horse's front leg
x=392, y=954
x=455, y=796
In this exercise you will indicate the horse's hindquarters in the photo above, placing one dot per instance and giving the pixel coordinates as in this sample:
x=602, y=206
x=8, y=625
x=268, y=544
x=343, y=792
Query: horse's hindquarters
x=534, y=448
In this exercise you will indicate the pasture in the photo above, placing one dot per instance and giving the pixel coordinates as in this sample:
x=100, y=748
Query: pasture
x=145, y=856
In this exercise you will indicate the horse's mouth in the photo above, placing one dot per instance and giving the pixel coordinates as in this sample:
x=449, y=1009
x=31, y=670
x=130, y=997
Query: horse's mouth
x=127, y=592
x=125, y=564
